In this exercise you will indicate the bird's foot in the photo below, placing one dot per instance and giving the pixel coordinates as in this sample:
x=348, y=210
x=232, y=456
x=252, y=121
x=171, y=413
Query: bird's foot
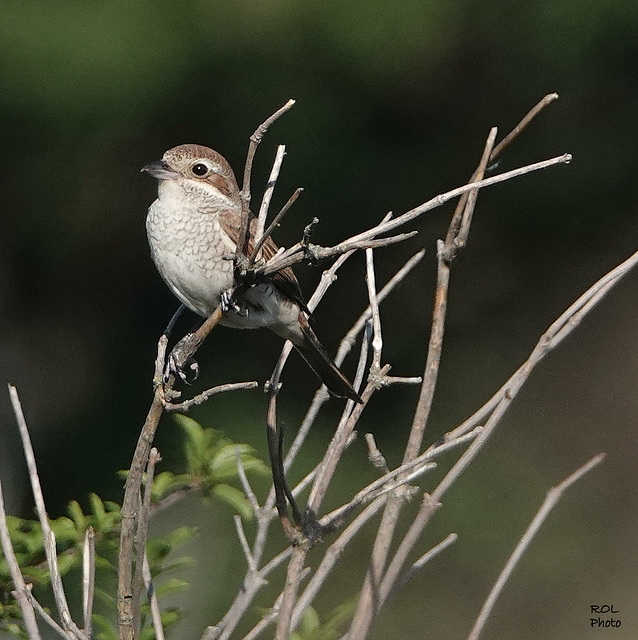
x=229, y=303
x=180, y=364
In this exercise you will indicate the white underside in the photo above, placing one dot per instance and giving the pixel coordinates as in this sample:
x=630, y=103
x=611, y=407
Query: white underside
x=189, y=249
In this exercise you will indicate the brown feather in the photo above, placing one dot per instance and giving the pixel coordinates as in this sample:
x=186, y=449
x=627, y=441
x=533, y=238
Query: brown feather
x=285, y=280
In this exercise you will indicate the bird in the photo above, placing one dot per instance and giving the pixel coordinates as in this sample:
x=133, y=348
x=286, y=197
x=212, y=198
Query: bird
x=193, y=228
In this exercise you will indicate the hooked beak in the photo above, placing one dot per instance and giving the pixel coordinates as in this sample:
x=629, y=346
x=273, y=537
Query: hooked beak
x=160, y=170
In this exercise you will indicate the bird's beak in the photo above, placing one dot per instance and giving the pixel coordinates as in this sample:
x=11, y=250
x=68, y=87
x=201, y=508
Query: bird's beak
x=160, y=170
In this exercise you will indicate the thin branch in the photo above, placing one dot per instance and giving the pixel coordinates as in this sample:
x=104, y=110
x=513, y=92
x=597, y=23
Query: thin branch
x=377, y=339
x=248, y=490
x=374, y=455
x=202, y=397
x=241, y=534
x=253, y=582
x=271, y=616
x=143, y=514
x=255, y=139
x=369, y=601
x=423, y=560
x=21, y=591
x=468, y=210
x=374, y=490
x=500, y=147
x=267, y=197
x=300, y=252
x=44, y=614
x=365, y=239
x=274, y=224
x=330, y=558
x=289, y=594
x=551, y=499
x=399, y=276
x=47, y=534
x=130, y=505
x=556, y=333
x=458, y=230
x=338, y=444
x=156, y=615
x=435, y=346
x=88, y=579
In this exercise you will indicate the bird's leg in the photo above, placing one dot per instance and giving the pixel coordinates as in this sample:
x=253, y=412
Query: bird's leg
x=179, y=362
x=171, y=325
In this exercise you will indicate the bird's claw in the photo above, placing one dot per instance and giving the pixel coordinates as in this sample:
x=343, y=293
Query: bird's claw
x=228, y=303
x=181, y=365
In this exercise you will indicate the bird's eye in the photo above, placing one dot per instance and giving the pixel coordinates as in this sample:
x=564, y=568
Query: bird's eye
x=199, y=169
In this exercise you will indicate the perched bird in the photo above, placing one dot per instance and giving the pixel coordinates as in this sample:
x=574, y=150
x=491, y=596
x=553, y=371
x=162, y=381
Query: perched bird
x=193, y=229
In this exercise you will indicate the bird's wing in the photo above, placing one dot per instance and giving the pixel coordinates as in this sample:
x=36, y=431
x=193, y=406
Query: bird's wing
x=285, y=280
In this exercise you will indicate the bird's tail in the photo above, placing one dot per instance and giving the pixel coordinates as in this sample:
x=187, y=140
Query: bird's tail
x=321, y=363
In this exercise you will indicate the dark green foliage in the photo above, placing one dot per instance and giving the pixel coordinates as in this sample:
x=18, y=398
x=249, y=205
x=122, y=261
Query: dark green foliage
x=211, y=464
x=311, y=627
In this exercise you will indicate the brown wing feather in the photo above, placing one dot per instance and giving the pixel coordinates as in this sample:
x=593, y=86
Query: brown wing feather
x=285, y=280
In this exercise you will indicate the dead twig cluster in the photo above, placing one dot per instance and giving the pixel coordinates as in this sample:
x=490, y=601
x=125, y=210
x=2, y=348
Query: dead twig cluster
x=391, y=562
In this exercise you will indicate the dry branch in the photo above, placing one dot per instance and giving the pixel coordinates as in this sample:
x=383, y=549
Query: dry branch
x=551, y=499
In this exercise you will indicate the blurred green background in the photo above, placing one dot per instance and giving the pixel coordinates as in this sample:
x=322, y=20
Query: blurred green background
x=394, y=103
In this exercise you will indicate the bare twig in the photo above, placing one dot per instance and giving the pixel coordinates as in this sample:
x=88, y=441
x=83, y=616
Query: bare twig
x=130, y=506
x=241, y=534
x=330, y=558
x=431, y=371
x=374, y=455
x=248, y=490
x=338, y=444
x=202, y=397
x=255, y=139
x=374, y=490
x=459, y=228
x=377, y=340
x=156, y=615
x=21, y=591
x=273, y=225
x=500, y=147
x=43, y=613
x=143, y=514
x=88, y=579
x=366, y=238
x=289, y=595
x=267, y=197
x=47, y=534
x=423, y=560
x=551, y=499
x=301, y=251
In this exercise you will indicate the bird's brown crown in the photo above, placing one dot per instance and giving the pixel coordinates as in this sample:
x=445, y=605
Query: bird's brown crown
x=197, y=162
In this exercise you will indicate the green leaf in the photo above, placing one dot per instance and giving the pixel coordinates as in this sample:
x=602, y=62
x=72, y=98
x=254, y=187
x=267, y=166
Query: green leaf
x=75, y=511
x=195, y=447
x=223, y=465
x=67, y=561
x=181, y=563
x=107, y=630
x=171, y=586
x=235, y=498
x=98, y=511
x=104, y=596
x=337, y=618
x=309, y=624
